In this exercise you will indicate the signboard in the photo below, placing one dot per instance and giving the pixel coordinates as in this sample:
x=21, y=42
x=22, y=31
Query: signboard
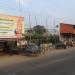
x=11, y=26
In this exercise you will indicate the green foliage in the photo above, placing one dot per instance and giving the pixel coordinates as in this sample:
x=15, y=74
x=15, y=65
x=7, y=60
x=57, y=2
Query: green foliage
x=54, y=39
x=37, y=33
x=39, y=29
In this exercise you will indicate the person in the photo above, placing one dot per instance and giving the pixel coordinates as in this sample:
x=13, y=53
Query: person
x=65, y=42
x=72, y=42
x=39, y=44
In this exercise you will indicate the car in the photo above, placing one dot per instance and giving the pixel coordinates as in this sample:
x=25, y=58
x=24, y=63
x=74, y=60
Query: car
x=60, y=45
x=31, y=49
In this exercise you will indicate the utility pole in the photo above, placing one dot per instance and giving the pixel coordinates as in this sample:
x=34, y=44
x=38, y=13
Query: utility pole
x=47, y=23
x=47, y=27
x=35, y=20
x=20, y=10
x=54, y=29
x=54, y=25
x=34, y=31
x=19, y=13
x=30, y=28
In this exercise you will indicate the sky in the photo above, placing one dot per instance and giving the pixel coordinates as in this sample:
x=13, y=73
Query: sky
x=42, y=12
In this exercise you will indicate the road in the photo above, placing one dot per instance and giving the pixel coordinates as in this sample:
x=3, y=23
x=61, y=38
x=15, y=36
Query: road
x=59, y=64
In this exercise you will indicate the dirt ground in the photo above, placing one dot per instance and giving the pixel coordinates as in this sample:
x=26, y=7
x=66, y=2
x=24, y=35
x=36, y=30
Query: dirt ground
x=7, y=60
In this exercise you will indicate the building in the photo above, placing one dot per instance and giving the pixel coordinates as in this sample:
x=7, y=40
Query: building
x=11, y=31
x=67, y=31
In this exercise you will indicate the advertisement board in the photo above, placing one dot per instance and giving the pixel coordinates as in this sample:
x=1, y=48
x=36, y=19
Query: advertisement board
x=11, y=26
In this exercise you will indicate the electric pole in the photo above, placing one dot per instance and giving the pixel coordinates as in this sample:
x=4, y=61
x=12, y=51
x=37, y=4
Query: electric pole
x=30, y=28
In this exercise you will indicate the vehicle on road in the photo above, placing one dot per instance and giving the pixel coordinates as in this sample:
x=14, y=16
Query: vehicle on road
x=31, y=49
x=60, y=45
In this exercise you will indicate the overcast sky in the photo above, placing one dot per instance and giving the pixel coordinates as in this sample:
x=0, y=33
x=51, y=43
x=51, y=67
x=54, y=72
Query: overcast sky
x=54, y=10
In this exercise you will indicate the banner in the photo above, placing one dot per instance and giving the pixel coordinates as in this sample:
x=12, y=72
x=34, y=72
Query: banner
x=11, y=26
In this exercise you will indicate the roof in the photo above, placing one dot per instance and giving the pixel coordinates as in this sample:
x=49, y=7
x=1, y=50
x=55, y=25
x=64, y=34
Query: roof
x=67, y=28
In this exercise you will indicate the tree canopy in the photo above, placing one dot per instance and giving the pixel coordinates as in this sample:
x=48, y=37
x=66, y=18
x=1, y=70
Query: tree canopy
x=39, y=32
x=39, y=29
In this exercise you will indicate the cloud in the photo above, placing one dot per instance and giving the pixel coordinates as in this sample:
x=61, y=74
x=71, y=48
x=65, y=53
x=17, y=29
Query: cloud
x=24, y=3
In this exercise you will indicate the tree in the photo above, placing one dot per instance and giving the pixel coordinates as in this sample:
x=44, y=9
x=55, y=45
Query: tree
x=37, y=33
x=39, y=29
x=54, y=39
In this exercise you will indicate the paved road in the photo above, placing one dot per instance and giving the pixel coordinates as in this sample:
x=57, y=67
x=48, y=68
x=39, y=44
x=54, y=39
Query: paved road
x=59, y=64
